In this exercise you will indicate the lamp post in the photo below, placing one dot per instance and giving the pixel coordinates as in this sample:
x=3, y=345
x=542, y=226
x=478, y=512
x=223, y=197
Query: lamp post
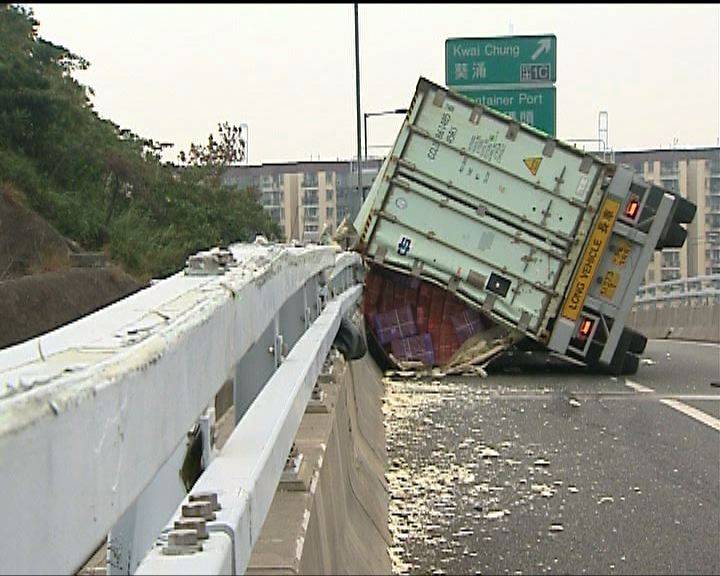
x=361, y=190
x=367, y=114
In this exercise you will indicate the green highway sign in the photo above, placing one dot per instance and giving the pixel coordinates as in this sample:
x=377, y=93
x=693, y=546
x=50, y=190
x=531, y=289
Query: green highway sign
x=531, y=105
x=501, y=60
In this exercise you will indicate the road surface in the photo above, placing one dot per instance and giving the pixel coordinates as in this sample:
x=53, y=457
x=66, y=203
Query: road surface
x=540, y=472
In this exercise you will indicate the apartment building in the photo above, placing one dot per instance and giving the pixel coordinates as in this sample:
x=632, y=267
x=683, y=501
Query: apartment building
x=695, y=175
x=306, y=198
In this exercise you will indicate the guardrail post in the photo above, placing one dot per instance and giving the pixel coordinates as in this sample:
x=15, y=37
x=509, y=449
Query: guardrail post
x=292, y=321
x=311, y=294
x=246, y=474
x=135, y=531
x=264, y=357
x=253, y=370
x=207, y=430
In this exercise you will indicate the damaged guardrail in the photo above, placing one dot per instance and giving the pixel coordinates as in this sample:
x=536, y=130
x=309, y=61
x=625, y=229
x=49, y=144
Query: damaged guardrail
x=94, y=416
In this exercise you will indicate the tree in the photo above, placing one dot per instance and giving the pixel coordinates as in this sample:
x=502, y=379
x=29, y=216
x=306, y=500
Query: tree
x=104, y=186
x=228, y=149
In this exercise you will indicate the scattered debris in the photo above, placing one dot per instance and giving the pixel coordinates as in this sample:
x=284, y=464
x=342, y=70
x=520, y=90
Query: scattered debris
x=489, y=453
x=543, y=489
x=494, y=514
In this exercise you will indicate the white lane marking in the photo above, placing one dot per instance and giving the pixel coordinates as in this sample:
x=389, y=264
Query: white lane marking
x=699, y=397
x=687, y=342
x=637, y=387
x=699, y=415
x=693, y=413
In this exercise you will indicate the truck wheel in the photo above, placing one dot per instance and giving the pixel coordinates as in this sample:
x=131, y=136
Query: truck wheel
x=630, y=364
x=376, y=350
x=617, y=365
x=625, y=365
x=638, y=341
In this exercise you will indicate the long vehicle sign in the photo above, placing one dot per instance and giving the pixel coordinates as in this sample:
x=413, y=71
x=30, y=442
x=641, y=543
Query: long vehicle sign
x=591, y=259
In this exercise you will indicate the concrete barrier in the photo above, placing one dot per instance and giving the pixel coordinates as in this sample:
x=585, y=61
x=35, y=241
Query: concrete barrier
x=333, y=519
x=690, y=322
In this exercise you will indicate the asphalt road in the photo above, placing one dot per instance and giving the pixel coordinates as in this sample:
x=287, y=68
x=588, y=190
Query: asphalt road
x=559, y=472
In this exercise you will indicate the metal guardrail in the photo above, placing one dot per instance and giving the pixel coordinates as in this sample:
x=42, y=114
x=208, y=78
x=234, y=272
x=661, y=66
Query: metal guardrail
x=94, y=416
x=685, y=291
x=243, y=478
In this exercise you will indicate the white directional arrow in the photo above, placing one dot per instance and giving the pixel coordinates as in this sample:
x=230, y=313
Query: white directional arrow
x=544, y=45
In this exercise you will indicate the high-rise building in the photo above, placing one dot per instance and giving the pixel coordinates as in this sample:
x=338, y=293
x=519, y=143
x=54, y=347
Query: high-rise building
x=306, y=198
x=695, y=175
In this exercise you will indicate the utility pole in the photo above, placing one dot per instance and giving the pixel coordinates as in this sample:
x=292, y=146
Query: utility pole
x=361, y=191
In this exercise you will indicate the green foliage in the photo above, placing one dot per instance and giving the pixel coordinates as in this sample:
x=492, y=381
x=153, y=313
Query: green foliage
x=103, y=186
x=228, y=149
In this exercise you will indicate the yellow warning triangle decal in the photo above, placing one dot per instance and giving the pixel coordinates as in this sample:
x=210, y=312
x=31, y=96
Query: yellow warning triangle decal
x=533, y=164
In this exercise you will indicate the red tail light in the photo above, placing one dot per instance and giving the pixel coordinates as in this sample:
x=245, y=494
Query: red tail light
x=585, y=329
x=633, y=208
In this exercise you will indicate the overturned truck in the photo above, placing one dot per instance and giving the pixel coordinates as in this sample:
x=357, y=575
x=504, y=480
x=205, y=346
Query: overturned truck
x=482, y=235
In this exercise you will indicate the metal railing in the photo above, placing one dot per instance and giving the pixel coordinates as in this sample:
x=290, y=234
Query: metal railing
x=94, y=416
x=685, y=291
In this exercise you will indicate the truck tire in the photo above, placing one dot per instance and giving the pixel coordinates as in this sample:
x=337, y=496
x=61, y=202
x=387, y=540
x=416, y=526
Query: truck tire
x=617, y=364
x=674, y=237
x=349, y=340
x=624, y=360
x=630, y=364
x=638, y=341
x=624, y=365
x=376, y=350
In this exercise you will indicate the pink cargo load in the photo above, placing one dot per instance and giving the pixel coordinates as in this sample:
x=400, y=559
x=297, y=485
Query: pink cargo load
x=466, y=324
x=414, y=348
x=394, y=324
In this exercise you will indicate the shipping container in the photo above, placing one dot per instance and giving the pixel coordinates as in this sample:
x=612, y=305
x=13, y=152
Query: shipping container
x=540, y=238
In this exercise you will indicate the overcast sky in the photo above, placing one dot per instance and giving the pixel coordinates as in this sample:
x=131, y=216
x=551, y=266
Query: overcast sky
x=173, y=72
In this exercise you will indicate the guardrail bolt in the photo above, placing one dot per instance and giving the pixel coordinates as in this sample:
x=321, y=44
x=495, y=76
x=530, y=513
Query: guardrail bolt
x=183, y=537
x=181, y=542
x=211, y=497
x=201, y=509
x=317, y=393
x=293, y=452
x=290, y=477
x=326, y=375
x=317, y=404
x=196, y=524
